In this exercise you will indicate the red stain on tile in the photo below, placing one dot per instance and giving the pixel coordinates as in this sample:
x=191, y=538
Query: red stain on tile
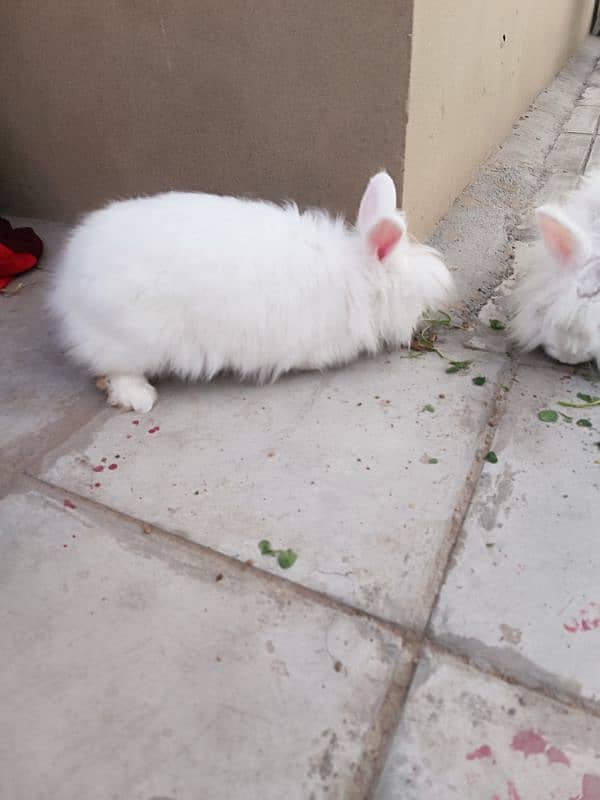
x=481, y=752
x=529, y=743
x=512, y=791
x=556, y=756
x=571, y=628
x=69, y=504
x=154, y=429
x=135, y=422
x=590, y=788
x=113, y=466
x=99, y=468
x=96, y=485
x=589, y=620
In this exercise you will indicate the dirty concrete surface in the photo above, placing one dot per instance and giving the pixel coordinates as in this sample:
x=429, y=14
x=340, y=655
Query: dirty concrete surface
x=439, y=633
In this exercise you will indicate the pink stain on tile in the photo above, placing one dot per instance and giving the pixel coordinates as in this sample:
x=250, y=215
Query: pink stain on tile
x=154, y=429
x=512, y=791
x=556, y=756
x=589, y=620
x=113, y=466
x=482, y=752
x=99, y=468
x=590, y=787
x=135, y=422
x=69, y=504
x=529, y=743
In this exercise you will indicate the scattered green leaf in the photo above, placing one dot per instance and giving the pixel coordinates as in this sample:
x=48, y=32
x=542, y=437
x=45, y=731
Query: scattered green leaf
x=286, y=558
x=433, y=461
x=457, y=366
x=429, y=408
x=492, y=457
x=584, y=423
x=548, y=415
x=479, y=380
x=496, y=325
x=565, y=417
x=587, y=398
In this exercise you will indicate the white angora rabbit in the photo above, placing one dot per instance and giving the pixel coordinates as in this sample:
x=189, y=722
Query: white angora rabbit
x=558, y=301
x=193, y=284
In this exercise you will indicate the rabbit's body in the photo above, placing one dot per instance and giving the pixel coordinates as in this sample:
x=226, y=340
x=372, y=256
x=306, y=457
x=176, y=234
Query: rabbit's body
x=558, y=301
x=193, y=284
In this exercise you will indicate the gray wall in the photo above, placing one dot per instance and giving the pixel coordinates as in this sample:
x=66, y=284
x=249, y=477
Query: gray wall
x=276, y=98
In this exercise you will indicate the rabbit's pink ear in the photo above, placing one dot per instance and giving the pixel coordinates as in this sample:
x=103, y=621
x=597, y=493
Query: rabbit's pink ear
x=565, y=240
x=378, y=200
x=385, y=235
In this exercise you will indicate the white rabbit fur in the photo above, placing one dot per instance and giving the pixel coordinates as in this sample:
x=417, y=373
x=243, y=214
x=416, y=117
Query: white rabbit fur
x=193, y=284
x=557, y=303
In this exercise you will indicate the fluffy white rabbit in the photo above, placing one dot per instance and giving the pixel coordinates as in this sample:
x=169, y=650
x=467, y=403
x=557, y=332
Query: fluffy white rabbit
x=193, y=284
x=558, y=301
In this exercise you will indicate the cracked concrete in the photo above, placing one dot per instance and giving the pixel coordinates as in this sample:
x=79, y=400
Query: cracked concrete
x=438, y=635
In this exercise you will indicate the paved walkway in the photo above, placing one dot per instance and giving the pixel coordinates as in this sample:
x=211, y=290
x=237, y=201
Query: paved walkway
x=438, y=636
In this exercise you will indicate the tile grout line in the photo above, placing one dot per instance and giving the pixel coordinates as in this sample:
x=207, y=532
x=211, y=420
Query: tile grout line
x=505, y=376
x=541, y=691
x=408, y=635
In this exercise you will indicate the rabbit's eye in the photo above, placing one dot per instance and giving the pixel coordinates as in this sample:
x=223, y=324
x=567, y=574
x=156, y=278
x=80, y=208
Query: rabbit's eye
x=588, y=284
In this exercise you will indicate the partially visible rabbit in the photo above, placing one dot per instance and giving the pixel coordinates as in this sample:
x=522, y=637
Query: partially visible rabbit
x=558, y=301
x=193, y=284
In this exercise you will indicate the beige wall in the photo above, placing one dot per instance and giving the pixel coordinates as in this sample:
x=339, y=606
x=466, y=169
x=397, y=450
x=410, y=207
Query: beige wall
x=476, y=65
x=277, y=98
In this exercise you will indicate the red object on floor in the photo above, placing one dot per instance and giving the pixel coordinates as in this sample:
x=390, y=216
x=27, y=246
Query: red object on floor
x=20, y=250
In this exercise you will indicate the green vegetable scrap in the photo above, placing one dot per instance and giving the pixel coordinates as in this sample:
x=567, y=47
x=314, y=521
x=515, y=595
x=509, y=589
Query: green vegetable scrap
x=584, y=423
x=285, y=558
x=479, y=380
x=492, y=457
x=588, y=401
x=457, y=366
x=587, y=398
x=566, y=418
x=429, y=408
x=433, y=461
x=548, y=415
x=496, y=325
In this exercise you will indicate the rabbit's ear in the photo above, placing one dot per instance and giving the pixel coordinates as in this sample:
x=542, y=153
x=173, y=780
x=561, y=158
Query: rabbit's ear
x=385, y=235
x=565, y=240
x=378, y=200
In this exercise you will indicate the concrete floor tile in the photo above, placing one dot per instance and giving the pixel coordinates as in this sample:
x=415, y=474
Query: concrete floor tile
x=469, y=736
x=583, y=119
x=135, y=666
x=569, y=153
x=335, y=466
x=43, y=397
x=522, y=593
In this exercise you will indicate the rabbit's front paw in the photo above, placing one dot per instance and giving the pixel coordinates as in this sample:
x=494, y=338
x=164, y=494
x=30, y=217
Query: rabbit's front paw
x=130, y=392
